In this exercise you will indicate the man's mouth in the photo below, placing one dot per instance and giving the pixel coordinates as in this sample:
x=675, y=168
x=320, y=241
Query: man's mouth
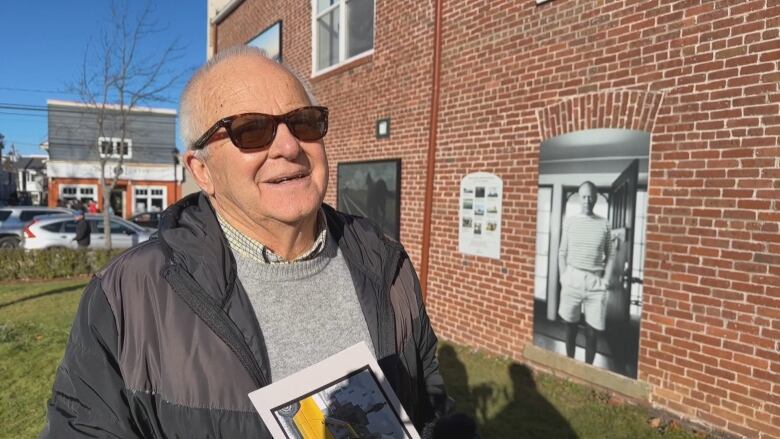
x=286, y=178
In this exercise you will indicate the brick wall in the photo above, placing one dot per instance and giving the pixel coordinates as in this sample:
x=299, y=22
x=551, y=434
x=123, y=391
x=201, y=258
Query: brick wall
x=701, y=76
x=394, y=83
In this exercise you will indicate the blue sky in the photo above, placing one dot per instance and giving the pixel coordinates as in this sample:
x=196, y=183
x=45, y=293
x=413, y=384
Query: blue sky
x=42, y=45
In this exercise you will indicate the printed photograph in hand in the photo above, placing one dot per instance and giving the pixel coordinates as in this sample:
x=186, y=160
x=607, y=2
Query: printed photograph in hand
x=354, y=407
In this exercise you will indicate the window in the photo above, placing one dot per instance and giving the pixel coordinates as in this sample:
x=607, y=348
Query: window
x=115, y=227
x=69, y=227
x=53, y=227
x=4, y=214
x=342, y=30
x=72, y=194
x=93, y=226
x=149, y=199
x=114, y=147
x=543, y=214
x=27, y=215
x=640, y=232
x=270, y=41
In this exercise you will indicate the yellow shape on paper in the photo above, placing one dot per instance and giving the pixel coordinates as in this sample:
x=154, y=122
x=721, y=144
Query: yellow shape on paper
x=310, y=421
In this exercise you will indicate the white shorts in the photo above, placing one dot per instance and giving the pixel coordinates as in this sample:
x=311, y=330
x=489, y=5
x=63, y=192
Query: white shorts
x=583, y=291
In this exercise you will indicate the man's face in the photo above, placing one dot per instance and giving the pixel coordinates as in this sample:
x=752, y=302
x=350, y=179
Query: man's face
x=245, y=183
x=588, y=196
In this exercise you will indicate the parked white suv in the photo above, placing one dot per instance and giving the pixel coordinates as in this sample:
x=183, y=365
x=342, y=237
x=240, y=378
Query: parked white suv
x=60, y=231
x=13, y=219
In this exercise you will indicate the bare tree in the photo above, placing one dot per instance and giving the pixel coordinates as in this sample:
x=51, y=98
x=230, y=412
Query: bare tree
x=129, y=67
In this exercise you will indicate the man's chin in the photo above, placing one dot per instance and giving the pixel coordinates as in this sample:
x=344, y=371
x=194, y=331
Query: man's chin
x=295, y=215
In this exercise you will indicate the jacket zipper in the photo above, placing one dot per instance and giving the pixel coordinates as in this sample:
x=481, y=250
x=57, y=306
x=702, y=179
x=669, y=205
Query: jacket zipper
x=386, y=306
x=215, y=318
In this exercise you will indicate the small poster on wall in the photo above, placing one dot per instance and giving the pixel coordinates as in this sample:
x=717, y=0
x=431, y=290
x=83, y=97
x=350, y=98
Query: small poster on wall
x=480, y=215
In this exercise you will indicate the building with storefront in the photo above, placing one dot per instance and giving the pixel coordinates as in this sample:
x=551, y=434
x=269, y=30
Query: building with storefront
x=495, y=114
x=150, y=174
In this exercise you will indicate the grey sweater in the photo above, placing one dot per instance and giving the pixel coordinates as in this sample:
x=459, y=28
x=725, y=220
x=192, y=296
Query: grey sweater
x=308, y=310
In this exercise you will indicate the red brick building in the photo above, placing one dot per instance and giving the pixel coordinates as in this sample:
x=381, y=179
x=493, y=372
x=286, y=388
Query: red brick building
x=701, y=77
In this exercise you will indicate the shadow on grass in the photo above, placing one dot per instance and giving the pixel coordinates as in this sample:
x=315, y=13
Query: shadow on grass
x=525, y=412
x=44, y=294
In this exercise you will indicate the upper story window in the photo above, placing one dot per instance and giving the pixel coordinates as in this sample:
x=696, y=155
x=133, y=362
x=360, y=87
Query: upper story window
x=270, y=41
x=342, y=30
x=114, y=147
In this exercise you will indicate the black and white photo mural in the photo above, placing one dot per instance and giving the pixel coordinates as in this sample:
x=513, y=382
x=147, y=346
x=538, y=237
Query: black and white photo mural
x=592, y=202
x=372, y=190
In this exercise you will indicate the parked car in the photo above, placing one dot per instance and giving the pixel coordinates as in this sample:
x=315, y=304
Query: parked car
x=150, y=220
x=13, y=219
x=60, y=231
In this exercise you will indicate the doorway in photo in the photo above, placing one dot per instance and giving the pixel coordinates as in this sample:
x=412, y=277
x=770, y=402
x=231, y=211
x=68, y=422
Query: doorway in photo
x=592, y=202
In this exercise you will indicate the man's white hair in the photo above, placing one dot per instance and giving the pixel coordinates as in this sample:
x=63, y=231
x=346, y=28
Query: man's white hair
x=191, y=105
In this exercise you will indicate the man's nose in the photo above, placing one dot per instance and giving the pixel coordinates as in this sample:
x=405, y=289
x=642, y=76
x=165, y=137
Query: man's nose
x=284, y=145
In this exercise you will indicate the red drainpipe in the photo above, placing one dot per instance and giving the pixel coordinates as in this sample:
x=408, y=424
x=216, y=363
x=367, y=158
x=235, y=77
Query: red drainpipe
x=428, y=208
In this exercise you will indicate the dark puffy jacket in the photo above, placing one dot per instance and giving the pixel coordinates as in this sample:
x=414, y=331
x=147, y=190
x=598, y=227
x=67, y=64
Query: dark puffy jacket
x=166, y=344
x=83, y=232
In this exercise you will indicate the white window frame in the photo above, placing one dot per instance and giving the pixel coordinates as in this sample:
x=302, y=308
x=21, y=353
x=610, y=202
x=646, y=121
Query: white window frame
x=149, y=197
x=79, y=187
x=115, y=141
x=342, y=5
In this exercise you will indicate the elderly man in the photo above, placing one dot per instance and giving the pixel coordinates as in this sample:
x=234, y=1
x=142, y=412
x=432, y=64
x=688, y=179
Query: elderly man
x=584, y=253
x=248, y=281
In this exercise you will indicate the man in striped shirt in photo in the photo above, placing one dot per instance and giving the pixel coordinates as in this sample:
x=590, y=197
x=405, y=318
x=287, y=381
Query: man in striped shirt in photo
x=584, y=253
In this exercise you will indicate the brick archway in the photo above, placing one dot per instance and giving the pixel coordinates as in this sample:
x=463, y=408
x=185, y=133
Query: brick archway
x=626, y=109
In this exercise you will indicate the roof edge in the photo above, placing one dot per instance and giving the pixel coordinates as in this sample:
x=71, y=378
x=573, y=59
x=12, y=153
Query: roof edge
x=224, y=12
x=62, y=103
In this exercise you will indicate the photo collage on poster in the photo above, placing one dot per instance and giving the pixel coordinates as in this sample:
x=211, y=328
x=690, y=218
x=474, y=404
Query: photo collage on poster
x=480, y=215
x=592, y=202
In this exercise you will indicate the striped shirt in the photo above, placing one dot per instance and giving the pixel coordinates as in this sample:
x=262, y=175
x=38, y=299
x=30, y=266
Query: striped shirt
x=585, y=243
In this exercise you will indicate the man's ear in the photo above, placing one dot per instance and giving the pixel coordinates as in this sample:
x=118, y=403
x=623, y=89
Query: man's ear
x=200, y=171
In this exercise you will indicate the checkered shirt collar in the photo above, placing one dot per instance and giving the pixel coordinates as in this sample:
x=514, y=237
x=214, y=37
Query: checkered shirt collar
x=257, y=251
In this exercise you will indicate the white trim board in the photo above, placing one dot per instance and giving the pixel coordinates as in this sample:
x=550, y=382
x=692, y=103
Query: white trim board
x=68, y=169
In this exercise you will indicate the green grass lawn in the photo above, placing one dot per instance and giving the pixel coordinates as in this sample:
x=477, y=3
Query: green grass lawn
x=507, y=400
x=35, y=320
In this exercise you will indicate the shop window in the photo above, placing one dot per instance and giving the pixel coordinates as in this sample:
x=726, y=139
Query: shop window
x=149, y=199
x=72, y=194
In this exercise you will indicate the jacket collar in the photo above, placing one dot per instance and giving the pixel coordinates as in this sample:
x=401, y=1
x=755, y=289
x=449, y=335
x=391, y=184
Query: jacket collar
x=192, y=239
x=364, y=246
